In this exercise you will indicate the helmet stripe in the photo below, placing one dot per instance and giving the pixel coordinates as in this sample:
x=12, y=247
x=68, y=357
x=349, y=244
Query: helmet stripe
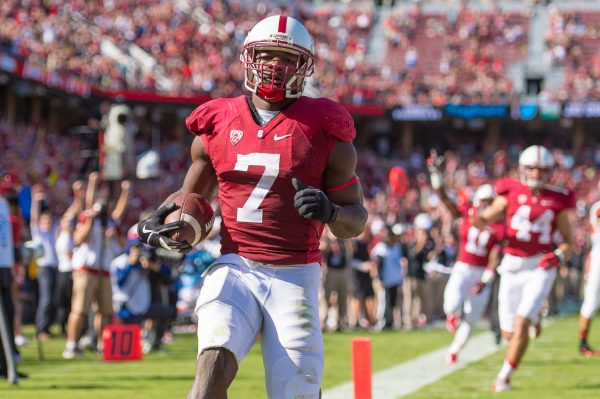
x=282, y=28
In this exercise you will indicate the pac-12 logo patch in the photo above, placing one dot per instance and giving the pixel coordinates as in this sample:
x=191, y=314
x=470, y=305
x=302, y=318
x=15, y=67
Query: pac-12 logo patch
x=235, y=136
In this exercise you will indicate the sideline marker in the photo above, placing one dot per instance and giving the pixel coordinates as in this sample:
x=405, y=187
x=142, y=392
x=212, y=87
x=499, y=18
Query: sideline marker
x=122, y=342
x=361, y=368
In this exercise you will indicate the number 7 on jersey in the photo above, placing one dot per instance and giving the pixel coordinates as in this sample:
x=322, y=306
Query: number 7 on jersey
x=250, y=213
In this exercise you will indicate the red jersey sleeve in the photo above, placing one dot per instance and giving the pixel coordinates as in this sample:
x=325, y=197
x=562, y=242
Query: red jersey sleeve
x=338, y=122
x=202, y=120
x=503, y=186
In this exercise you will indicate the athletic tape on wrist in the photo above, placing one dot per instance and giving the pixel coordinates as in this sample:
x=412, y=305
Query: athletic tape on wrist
x=559, y=254
x=487, y=276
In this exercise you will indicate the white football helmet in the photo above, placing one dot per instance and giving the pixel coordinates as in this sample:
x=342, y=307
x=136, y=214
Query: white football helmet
x=275, y=83
x=532, y=158
x=483, y=193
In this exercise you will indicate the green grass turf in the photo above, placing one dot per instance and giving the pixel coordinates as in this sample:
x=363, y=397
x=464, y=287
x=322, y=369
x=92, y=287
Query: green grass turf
x=170, y=374
x=551, y=369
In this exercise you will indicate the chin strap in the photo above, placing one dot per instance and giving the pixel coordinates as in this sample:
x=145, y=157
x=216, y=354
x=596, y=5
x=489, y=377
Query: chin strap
x=270, y=94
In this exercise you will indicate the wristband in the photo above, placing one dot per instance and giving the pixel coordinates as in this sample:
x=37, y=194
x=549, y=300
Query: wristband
x=559, y=254
x=488, y=276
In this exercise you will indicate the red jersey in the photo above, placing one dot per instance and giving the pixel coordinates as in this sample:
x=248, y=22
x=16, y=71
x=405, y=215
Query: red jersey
x=255, y=166
x=474, y=245
x=531, y=219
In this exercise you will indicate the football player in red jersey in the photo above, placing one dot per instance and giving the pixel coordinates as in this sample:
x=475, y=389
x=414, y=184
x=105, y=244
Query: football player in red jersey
x=284, y=166
x=468, y=289
x=533, y=211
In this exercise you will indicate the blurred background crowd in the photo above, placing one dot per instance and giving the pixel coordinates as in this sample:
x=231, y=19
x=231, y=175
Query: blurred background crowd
x=412, y=52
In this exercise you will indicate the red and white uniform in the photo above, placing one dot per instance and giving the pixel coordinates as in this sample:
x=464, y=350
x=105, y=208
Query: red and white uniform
x=530, y=219
x=530, y=227
x=255, y=165
x=473, y=256
x=591, y=298
x=262, y=231
x=475, y=244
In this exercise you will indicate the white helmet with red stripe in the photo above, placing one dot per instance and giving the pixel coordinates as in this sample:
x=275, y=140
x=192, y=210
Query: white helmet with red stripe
x=485, y=192
x=532, y=158
x=279, y=33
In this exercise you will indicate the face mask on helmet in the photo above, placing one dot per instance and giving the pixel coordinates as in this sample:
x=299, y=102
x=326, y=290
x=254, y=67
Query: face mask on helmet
x=536, y=165
x=534, y=177
x=277, y=57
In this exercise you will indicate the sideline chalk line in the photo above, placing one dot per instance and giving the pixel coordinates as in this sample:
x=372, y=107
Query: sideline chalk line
x=408, y=377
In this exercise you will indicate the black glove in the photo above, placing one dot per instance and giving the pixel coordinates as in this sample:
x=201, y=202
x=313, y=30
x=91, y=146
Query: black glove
x=151, y=231
x=312, y=203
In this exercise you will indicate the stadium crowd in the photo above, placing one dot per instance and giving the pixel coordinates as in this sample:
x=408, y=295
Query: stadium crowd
x=191, y=48
x=571, y=40
x=178, y=48
x=459, y=58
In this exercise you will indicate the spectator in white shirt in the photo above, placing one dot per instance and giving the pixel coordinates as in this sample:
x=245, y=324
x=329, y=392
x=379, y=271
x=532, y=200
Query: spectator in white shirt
x=44, y=231
x=96, y=245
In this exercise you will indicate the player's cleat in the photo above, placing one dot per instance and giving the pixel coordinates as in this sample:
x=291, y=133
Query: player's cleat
x=21, y=340
x=452, y=323
x=451, y=359
x=587, y=350
x=71, y=353
x=501, y=385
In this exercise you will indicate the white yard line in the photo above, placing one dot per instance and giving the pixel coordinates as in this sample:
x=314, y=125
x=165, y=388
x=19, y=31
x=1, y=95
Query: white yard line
x=410, y=376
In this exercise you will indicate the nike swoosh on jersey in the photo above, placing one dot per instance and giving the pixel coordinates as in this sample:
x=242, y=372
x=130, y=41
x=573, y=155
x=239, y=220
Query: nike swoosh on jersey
x=277, y=138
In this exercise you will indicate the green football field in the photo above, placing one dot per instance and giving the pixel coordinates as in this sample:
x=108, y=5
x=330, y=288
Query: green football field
x=552, y=369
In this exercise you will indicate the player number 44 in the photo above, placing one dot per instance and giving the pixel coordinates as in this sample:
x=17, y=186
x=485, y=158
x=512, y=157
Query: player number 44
x=542, y=225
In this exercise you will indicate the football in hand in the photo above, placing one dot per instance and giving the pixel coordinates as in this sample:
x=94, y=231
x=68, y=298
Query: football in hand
x=197, y=215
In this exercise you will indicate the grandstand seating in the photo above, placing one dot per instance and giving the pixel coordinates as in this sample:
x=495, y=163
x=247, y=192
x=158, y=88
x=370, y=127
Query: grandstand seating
x=189, y=48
